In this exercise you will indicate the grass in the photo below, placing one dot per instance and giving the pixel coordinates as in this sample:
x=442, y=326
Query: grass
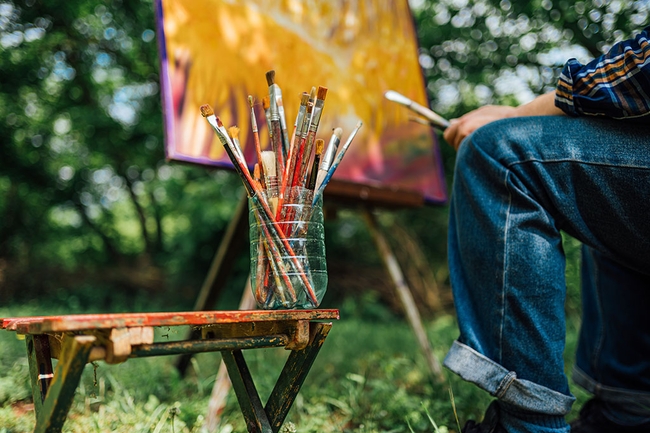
x=369, y=377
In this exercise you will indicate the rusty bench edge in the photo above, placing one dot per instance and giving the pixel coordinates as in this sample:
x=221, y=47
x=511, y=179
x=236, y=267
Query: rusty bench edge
x=80, y=322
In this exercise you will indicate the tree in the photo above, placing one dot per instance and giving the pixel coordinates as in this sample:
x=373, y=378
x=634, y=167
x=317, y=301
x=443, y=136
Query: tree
x=84, y=187
x=86, y=197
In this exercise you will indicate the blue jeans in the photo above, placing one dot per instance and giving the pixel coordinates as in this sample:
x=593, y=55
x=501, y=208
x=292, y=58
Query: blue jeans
x=519, y=182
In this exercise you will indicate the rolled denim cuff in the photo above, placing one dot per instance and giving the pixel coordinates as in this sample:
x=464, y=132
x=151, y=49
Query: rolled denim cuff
x=636, y=402
x=503, y=384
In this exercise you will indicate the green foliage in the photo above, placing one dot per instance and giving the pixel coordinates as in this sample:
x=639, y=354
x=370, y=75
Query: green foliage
x=84, y=186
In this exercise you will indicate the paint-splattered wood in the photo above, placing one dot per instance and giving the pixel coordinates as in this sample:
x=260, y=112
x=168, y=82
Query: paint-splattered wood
x=81, y=322
x=9, y=323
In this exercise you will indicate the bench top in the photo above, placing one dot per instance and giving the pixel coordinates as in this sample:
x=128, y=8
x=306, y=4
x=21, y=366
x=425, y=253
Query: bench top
x=82, y=322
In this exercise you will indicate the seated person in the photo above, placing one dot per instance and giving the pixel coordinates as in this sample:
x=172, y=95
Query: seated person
x=576, y=159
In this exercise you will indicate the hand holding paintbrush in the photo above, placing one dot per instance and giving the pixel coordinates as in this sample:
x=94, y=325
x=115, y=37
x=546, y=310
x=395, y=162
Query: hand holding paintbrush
x=433, y=118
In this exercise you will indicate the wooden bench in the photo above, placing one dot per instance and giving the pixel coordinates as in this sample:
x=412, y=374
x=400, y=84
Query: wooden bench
x=76, y=340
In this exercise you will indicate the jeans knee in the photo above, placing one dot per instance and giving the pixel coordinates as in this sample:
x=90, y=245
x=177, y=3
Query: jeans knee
x=505, y=141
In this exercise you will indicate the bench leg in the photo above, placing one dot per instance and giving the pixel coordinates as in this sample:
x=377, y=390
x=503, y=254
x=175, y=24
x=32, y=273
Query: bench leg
x=270, y=418
x=247, y=396
x=55, y=407
x=40, y=367
x=293, y=376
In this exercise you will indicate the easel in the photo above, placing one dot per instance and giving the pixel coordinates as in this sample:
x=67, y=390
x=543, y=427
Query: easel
x=365, y=198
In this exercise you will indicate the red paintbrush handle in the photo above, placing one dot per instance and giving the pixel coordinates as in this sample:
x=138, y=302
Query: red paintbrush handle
x=275, y=259
x=277, y=146
x=274, y=229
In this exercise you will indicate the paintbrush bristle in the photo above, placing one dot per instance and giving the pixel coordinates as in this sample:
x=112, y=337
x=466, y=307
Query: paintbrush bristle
x=269, y=162
x=250, y=100
x=206, y=110
x=304, y=98
x=233, y=132
x=338, y=132
x=270, y=77
x=219, y=122
x=312, y=93
x=320, y=144
x=266, y=102
x=392, y=95
x=322, y=93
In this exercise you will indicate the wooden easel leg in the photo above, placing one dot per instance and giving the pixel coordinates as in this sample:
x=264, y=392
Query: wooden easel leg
x=73, y=358
x=222, y=262
x=404, y=294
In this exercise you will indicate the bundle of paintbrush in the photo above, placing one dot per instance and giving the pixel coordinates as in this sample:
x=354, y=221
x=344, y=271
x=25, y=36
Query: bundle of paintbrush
x=285, y=197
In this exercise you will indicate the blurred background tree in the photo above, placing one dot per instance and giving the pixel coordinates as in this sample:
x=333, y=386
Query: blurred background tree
x=90, y=212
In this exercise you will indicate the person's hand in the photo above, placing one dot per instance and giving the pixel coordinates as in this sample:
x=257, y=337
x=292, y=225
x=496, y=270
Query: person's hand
x=543, y=105
x=463, y=126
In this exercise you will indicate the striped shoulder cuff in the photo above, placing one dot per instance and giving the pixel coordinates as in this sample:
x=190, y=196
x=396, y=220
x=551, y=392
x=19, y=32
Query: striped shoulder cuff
x=564, y=89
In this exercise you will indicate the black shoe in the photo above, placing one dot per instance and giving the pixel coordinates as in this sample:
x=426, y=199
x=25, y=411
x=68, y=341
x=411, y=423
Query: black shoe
x=592, y=420
x=490, y=423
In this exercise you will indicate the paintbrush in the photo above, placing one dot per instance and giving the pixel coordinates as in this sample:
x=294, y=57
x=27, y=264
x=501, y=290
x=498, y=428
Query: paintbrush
x=318, y=107
x=256, y=137
x=311, y=135
x=300, y=152
x=335, y=164
x=233, y=133
x=257, y=176
x=283, y=282
x=320, y=144
x=222, y=134
x=328, y=156
x=274, y=89
x=312, y=94
x=433, y=118
x=297, y=151
x=271, y=231
x=275, y=236
x=271, y=179
x=304, y=98
x=275, y=127
x=311, y=100
x=295, y=173
x=266, y=105
x=297, y=132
